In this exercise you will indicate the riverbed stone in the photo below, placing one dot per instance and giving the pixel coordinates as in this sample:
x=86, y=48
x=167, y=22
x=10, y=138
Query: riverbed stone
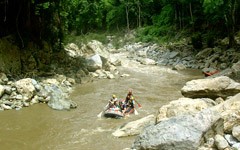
x=2, y=90
x=179, y=66
x=147, y=61
x=221, y=86
x=134, y=127
x=183, y=132
x=94, y=63
x=98, y=48
x=25, y=88
x=236, y=146
x=229, y=111
x=183, y=106
x=236, y=132
x=73, y=50
x=7, y=107
x=8, y=89
x=221, y=142
x=230, y=139
x=57, y=99
x=3, y=78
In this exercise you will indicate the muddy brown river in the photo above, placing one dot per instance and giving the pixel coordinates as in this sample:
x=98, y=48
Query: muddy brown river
x=40, y=128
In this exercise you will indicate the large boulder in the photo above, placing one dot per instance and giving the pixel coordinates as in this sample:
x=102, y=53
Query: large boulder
x=57, y=99
x=183, y=132
x=229, y=111
x=2, y=90
x=3, y=78
x=184, y=106
x=73, y=50
x=147, y=61
x=26, y=88
x=204, y=53
x=95, y=47
x=211, y=88
x=134, y=127
x=236, y=71
x=94, y=63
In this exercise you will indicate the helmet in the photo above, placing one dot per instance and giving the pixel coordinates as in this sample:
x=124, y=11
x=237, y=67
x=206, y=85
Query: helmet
x=130, y=92
x=114, y=96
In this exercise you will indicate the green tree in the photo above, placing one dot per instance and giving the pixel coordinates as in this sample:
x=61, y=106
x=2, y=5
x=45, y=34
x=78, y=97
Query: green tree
x=225, y=10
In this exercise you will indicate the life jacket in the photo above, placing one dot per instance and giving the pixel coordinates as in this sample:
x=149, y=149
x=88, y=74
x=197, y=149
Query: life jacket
x=130, y=103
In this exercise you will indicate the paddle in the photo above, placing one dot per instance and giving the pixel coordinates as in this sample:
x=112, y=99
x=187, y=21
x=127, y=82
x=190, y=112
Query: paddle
x=100, y=114
x=135, y=112
x=139, y=105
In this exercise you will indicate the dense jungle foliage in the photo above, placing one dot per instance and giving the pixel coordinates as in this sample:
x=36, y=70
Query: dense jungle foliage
x=52, y=20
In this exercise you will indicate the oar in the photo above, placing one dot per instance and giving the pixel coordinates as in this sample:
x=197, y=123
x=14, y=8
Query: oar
x=135, y=112
x=100, y=114
x=139, y=105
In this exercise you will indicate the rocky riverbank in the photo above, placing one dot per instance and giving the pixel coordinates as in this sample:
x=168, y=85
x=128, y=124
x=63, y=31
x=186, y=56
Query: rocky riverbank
x=190, y=123
x=28, y=91
x=206, y=118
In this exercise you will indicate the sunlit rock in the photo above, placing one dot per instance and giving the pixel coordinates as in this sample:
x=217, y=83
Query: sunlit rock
x=26, y=88
x=134, y=127
x=179, y=66
x=183, y=132
x=7, y=107
x=3, y=78
x=236, y=146
x=58, y=99
x=73, y=50
x=229, y=111
x=236, y=132
x=230, y=139
x=94, y=63
x=221, y=142
x=211, y=87
x=2, y=90
x=147, y=61
x=184, y=106
x=95, y=47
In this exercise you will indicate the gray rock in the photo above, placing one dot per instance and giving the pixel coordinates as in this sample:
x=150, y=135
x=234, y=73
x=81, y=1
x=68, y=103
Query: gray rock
x=2, y=90
x=230, y=139
x=211, y=88
x=25, y=87
x=94, y=63
x=177, y=133
x=237, y=146
x=221, y=142
x=58, y=100
x=134, y=127
x=236, y=132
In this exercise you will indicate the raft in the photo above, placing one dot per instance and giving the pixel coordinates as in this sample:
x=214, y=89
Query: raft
x=113, y=113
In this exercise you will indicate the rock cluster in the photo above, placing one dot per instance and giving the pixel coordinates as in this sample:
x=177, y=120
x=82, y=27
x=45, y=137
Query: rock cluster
x=211, y=122
x=28, y=91
x=182, y=56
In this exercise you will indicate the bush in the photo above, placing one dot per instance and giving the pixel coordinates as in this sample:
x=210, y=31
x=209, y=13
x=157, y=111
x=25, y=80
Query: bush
x=197, y=41
x=210, y=40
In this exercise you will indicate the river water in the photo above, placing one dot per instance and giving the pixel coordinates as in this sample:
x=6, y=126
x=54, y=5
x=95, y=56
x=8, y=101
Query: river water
x=40, y=128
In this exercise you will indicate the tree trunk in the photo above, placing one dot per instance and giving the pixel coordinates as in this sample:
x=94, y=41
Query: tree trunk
x=230, y=19
x=127, y=11
x=139, y=14
x=190, y=9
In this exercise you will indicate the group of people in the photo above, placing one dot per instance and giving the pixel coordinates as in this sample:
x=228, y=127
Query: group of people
x=126, y=106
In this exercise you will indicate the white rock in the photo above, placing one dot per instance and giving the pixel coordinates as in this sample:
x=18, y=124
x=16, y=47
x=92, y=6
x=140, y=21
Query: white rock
x=221, y=142
x=236, y=132
x=134, y=127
